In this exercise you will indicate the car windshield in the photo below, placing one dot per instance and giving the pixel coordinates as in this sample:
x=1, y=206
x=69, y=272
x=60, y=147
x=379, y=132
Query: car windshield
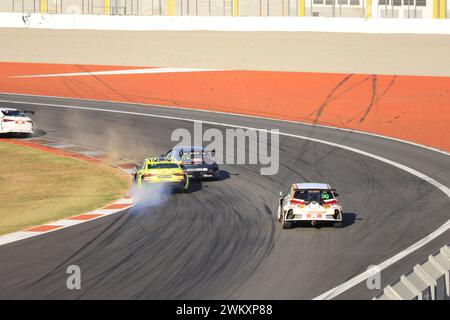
x=313, y=195
x=14, y=113
x=162, y=166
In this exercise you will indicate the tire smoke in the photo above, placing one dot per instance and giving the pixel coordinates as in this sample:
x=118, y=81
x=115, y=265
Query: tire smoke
x=147, y=196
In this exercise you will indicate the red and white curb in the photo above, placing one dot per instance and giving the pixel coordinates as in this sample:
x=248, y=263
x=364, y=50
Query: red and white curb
x=112, y=208
x=117, y=206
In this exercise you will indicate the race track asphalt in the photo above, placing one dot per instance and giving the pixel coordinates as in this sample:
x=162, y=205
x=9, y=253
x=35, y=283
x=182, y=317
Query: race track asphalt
x=222, y=240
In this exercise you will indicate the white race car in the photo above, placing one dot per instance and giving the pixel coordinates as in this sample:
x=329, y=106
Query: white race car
x=16, y=122
x=312, y=203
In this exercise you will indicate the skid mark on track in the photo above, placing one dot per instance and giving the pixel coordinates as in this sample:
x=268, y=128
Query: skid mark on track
x=352, y=87
x=307, y=144
x=330, y=96
x=389, y=86
x=105, y=84
x=290, y=96
x=372, y=99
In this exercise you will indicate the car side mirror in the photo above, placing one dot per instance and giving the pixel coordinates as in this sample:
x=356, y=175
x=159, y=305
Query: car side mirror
x=336, y=194
x=283, y=194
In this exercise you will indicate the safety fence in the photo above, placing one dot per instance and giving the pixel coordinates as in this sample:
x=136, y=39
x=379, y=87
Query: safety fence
x=428, y=281
x=319, y=8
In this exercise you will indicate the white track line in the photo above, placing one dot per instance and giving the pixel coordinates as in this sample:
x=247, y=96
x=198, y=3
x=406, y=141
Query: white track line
x=357, y=279
x=120, y=72
x=330, y=294
x=240, y=115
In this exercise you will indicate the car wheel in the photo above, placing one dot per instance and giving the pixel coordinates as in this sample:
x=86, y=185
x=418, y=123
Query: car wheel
x=184, y=188
x=339, y=224
x=285, y=224
x=279, y=214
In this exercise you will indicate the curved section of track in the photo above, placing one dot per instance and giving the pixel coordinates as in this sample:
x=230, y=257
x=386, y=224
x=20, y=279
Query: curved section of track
x=222, y=240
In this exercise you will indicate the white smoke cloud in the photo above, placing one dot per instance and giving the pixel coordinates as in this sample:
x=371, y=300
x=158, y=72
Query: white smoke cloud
x=151, y=195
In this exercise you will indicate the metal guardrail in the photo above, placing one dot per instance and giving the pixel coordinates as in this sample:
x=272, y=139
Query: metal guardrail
x=427, y=281
x=325, y=8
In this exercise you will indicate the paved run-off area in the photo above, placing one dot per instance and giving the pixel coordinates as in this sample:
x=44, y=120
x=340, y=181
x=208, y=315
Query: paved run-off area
x=411, y=108
x=389, y=84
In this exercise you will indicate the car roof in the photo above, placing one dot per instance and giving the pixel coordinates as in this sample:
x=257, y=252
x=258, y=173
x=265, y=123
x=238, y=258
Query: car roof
x=311, y=186
x=8, y=109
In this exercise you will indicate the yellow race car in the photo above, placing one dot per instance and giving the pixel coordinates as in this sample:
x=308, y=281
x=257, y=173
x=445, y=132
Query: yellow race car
x=161, y=171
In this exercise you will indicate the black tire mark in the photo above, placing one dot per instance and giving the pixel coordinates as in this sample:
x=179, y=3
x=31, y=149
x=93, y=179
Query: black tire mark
x=102, y=82
x=389, y=86
x=321, y=108
x=372, y=99
x=329, y=97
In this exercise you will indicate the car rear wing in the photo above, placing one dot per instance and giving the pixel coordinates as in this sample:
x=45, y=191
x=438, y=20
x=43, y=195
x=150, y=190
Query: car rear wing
x=331, y=189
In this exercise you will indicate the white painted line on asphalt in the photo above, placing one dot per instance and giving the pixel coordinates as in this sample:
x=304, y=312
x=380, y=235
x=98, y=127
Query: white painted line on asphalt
x=357, y=279
x=233, y=114
x=58, y=145
x=16, y=236
x=91, y=153
x=330, y=294
x=120, y=72
x=125, y=201
x=64, y=223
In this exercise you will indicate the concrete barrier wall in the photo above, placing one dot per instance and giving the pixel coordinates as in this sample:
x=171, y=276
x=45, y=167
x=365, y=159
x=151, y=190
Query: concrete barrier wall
x=322, y=8
x=161, y=23
x=427, y=281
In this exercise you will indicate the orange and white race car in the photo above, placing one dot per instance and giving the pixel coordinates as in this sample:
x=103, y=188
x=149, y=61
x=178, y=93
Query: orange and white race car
x=311, y=203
